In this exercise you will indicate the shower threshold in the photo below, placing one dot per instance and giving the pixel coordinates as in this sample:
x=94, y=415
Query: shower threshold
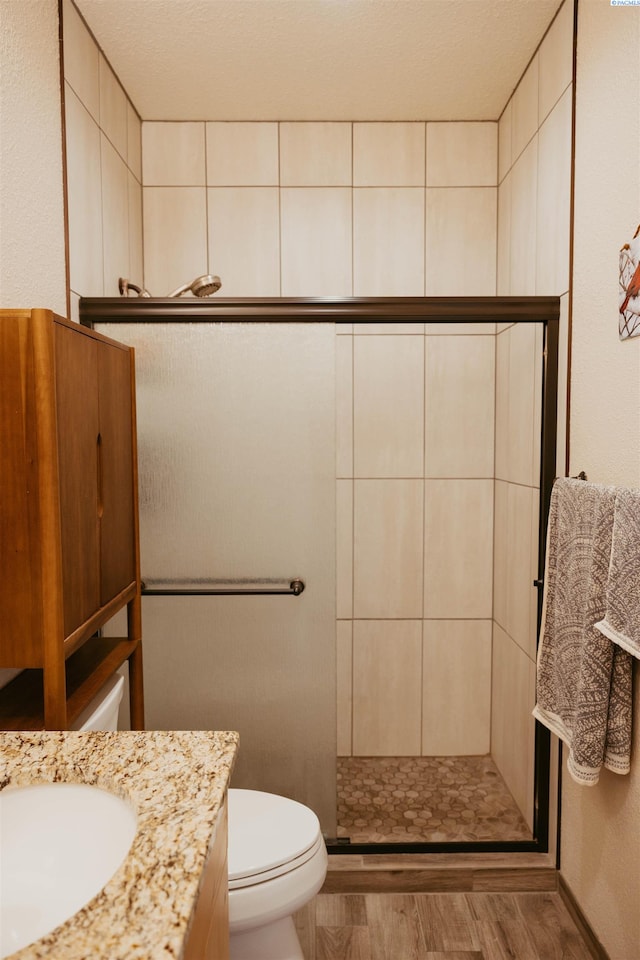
x=432, y=800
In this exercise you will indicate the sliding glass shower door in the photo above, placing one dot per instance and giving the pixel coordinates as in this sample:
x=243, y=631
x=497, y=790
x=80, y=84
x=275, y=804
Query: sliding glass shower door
x=236, y=446
x=419, y=650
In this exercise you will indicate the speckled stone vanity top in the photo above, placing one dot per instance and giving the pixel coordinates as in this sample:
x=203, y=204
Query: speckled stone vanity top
x=176, y=783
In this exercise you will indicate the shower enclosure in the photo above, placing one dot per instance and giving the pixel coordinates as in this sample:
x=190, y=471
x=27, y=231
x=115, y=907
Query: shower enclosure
x=394, y=457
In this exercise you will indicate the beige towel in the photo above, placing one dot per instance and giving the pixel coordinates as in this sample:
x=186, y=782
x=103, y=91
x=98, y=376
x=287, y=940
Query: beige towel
x=583, y=680
x=621, y=623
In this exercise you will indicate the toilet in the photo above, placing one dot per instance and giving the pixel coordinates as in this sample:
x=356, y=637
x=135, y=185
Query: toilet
x=277, y=863
x=102, y=712
x=277, y=855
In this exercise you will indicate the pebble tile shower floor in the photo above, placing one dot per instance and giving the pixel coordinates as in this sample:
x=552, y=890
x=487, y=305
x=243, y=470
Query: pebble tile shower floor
x=425, y=799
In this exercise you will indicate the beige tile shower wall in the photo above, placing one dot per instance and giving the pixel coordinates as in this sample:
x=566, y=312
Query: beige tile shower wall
x=534, y=185
x=512, y=728
x=415, y=436
x=534, y=175
x=516, y=502
x=515, y=558
x=321, y=209
x=104, y=169
x=370, y=209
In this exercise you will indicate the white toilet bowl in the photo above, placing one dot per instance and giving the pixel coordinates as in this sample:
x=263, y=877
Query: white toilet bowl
x=277, y=863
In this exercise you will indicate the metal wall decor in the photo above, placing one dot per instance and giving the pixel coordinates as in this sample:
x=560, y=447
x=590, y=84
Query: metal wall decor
x=629, y=292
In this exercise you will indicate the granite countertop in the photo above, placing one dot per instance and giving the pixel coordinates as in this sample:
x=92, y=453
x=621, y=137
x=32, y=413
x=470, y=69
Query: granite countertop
x=176, y=782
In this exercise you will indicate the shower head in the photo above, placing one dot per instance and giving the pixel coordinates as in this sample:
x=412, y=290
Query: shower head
x=201, y=287
x=125, y=285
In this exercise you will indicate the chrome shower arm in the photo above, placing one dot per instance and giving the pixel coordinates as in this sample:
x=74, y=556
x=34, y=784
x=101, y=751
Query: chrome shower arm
x=125, y=285
x=180, y=290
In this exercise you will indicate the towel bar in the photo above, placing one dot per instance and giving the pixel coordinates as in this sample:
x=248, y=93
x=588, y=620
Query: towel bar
x=229, y=588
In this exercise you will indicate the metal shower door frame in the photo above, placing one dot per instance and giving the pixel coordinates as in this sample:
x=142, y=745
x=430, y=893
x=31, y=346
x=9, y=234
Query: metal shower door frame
x=371, y=310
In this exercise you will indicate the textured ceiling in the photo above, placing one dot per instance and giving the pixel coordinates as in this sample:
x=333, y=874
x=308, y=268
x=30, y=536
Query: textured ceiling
x=319, y=59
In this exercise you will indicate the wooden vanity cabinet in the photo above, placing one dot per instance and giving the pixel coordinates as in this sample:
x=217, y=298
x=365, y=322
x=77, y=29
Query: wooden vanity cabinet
x=208, y=936
x=68, y=518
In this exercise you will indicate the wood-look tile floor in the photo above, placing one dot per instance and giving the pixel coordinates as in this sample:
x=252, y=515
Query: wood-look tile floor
x=453, y=926
x=411, y=799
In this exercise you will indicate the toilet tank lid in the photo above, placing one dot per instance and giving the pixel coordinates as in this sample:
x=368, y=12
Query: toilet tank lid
x=266, y=831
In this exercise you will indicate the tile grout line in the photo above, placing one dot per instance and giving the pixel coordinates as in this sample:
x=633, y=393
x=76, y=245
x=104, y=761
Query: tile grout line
x=280, y=232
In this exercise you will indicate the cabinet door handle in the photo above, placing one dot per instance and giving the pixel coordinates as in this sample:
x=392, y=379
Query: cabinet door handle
x=99, y=464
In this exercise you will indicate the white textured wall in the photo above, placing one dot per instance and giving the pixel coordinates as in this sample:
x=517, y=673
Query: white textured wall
x=600, y=858
x=605, y=386
x=32, y=254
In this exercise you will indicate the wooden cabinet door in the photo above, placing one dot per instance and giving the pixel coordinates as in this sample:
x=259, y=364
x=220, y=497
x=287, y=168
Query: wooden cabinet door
x=20, y=540
x=117, y=524
x=76, y=378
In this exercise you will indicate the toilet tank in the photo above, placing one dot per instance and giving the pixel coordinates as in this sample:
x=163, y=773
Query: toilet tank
x=102, y=712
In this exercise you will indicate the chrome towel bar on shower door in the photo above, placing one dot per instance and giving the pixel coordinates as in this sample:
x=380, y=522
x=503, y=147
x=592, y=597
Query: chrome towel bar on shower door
x=225, y=588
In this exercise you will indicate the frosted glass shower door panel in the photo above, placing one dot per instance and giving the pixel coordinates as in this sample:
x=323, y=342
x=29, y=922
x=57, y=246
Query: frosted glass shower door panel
x=236, y=447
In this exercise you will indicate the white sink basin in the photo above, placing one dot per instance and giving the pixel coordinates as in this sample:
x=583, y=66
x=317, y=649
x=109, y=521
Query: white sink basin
x=60, y=843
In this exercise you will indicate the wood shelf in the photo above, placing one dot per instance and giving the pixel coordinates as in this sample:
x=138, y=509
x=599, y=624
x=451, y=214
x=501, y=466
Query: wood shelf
x=21, y=701
x=86, y=630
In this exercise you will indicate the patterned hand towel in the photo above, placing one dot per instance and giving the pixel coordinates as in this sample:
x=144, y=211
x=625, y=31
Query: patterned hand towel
x=621, y=623
x=583, y=681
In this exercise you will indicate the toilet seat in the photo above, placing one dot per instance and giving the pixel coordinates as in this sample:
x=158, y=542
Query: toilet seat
x=269, y=836
x=238, y=882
